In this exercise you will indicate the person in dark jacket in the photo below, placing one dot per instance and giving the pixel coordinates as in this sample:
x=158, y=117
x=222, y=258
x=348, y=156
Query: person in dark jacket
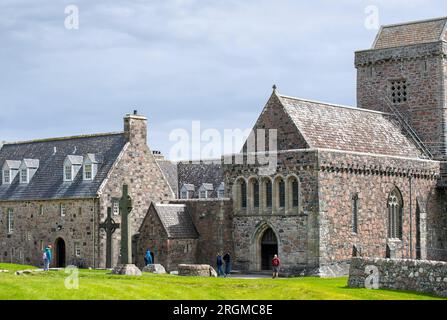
x=148, y=257
x=227, y=260
x=219, y=264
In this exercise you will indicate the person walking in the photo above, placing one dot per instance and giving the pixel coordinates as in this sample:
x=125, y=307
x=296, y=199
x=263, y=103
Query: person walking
x=227, y=260
x=219, y=264
x=148, y=257
x=275, y=263
x=47, y=257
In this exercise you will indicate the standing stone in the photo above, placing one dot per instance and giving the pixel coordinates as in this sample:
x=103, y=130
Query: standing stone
x=126, y=266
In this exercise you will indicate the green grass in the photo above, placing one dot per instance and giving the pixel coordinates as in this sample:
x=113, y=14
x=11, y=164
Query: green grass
x=98, y=284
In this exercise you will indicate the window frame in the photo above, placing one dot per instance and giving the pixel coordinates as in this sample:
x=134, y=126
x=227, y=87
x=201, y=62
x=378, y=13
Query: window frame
x=7, y=173
x=10, y=221
x=89, y=165
x=62, y=210
x=70, y=171
x=25, y=170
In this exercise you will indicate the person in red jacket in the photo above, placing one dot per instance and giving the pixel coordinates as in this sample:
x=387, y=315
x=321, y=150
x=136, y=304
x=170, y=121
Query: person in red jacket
x=275, y=263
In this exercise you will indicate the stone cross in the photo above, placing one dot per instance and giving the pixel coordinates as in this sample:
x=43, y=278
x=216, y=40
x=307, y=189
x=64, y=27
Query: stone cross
x=110, y=226
x=126, y=240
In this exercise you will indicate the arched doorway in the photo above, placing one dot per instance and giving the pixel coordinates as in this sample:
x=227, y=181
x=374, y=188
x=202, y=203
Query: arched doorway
x=60, y=253
x=269, y=247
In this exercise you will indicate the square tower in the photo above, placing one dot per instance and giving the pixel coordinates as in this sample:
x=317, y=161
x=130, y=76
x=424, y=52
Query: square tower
x=404, y=73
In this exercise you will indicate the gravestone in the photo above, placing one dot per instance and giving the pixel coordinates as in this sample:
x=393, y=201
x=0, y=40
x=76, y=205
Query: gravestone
x=126, y=267
x=110, y=226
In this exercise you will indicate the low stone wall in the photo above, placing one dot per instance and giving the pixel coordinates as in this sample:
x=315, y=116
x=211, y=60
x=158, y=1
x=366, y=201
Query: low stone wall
x=400, y=274
x=198, y=270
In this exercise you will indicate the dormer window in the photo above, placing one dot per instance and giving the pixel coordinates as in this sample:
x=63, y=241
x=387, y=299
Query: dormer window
x=28, y=168
x=72, y=165
x=205, y=190
x=24, y=175
x=6, y=176
x=68, y=172
x=91, y=166
x=221, y=190
x=88, y=172
x=187, y=191
x=10, y=170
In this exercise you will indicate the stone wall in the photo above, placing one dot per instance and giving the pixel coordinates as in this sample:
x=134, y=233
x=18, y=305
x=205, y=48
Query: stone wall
x=423, y=66
x=32, y=230
x=213, y=219
x=296, y=230
x=136, y=167
x=412, y=275
x=373, y=178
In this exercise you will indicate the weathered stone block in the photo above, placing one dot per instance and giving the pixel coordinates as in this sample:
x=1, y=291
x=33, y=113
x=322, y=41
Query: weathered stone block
x=198, y=270
x=127, y=269
x=154, y=268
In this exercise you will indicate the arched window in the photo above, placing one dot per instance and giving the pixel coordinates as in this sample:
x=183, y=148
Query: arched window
x=395, y=213
x=292, y=195
x=268, y=194
x=243, y=193
x=256, y=194
x=355, y=212
x=281, y=193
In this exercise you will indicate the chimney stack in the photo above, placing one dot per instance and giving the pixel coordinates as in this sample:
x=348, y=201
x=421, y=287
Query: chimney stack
x=135, y=128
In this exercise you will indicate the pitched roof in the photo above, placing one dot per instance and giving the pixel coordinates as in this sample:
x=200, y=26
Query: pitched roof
x=48, y=183
x=176, y=221
x=13, y=164
x=75, y=160
x=198, y=173
x=188, y=186
x=207, y=186
x=328, y=126
x=31, y=163
x=169, y=170
x=410, y=33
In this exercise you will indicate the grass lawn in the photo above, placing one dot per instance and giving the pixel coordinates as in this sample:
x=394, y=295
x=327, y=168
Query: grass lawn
x=98, y=284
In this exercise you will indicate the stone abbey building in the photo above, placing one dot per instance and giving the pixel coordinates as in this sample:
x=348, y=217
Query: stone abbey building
x=349, y=181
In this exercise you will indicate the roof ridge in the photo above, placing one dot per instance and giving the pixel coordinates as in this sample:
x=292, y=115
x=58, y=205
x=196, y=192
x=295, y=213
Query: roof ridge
x=413, y=22
x=65, y=138
x=333, y=104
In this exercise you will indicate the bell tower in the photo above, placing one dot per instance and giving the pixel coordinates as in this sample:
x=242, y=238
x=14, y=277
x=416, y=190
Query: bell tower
x=404, y=73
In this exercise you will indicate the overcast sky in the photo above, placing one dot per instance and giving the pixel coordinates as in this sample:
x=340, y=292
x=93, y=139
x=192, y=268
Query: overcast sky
x=177, y=61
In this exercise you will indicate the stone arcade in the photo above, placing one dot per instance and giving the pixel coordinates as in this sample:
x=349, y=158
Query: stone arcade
x=350, y=181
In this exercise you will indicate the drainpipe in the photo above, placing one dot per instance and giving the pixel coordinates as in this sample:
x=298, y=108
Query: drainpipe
x=411, y=218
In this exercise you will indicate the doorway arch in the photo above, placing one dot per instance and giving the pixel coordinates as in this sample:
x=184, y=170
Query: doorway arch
x=60, y=254
x=269, y=247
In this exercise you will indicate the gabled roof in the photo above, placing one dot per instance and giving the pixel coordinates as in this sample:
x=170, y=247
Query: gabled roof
x=48, y=183
x=94, y=158
x=176, y=221
x=31, y=163
x=328, y=126
x=207, y=186
x=169, y=170
x=75, y=160
x=188, y=186
x=13, y=164
x=196, y=173
x=410, y=33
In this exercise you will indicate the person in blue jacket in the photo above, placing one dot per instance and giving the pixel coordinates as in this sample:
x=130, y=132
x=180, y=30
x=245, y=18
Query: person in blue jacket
x=48, y=256
x=148, y=257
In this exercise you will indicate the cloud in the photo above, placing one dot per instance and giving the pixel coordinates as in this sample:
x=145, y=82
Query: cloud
x=176, y=60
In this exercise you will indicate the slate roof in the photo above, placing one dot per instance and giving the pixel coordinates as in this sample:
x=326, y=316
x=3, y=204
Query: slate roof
x=328, y=126
x=169, y=170
x=47, y=183
x=13, y=164
x=176, y=221
x=207, y=186
x=199, y=173
x=75, y=160
x=410, y=33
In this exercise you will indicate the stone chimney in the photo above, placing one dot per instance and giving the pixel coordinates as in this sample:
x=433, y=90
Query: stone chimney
x=135, y=128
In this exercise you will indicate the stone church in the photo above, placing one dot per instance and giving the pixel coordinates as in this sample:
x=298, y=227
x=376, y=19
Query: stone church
x=349, y=181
